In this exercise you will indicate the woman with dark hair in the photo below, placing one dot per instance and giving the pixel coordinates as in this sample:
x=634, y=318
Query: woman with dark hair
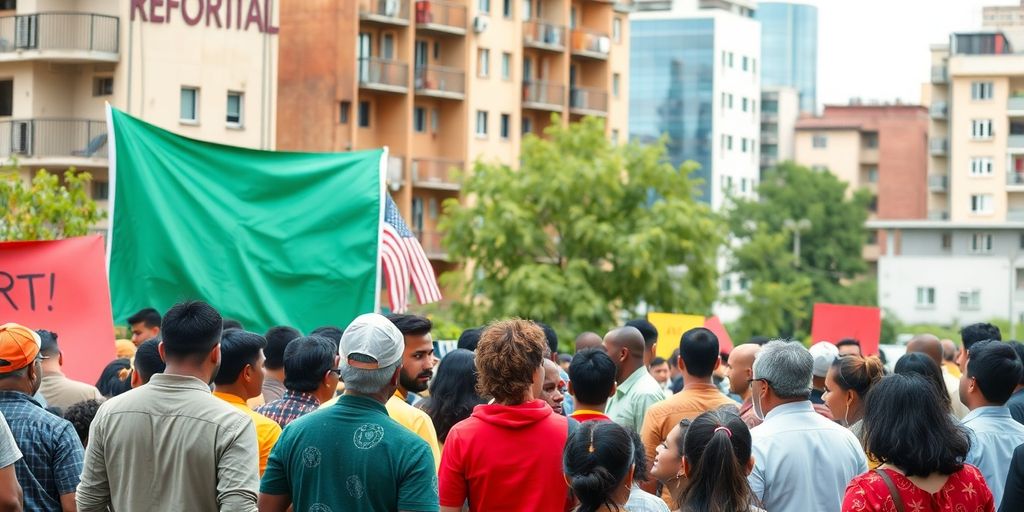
x=668, y=462
x=115, y=378
x=598, y=465
x=927, y=473
x=716, y=462
x=921, y=364
x=847, y=385
x=452, y=392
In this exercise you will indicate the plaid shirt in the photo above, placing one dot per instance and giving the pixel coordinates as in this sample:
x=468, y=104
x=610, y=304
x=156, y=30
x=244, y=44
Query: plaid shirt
x=290, y=407
x=53, y=454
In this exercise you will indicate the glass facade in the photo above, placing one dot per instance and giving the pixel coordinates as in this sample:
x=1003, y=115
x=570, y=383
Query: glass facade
x=671, y=89
x=789, y=49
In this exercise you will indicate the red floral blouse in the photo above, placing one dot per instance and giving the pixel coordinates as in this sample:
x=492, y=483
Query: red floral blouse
x=965, y=491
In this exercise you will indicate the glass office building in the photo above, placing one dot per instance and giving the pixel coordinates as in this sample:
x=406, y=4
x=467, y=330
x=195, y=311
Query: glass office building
x=789, y=49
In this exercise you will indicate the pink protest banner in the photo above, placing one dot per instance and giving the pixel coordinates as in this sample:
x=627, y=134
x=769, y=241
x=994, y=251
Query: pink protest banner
x=714, y=325
x=833, y=322
x=61, y=286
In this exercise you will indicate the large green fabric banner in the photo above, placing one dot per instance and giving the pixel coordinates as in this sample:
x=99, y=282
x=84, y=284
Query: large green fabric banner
x=268, y=238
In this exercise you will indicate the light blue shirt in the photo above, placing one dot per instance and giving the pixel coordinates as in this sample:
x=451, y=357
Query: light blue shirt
x=802, y=461
x=994, y=436
x=643, y=501
x=632, y=398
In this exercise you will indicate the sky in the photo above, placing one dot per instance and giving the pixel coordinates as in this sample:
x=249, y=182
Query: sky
x=878, y=49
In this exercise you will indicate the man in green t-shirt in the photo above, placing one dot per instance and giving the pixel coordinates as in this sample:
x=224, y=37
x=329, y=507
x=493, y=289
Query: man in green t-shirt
x=352, y=456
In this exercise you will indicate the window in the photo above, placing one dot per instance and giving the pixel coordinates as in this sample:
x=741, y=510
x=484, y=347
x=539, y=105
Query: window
x=100, y=190
x=743, y=184
x=615, y=135
x=981, y=90
x=744, y=283
x=730, y=100
x=981, y=243
x=1022, y=241
x=745, y=63
x=981, y=166
x=615, y=84
x=506, y=66
x=8, y=5
x=435, y=120
x=745, y=103
x=6, y=97
x=617, y=29
x=419, y=119
x=506, y=9
x=727, y=183
x=981, y=129
x=527, y=125
x=728, y=140
x=343, y=111
x=481, y=124
x=870, y=140
x=484, y=6
x=724, y=97
x=819, y=141
x=506, y=126
x=387, y=46
x=364, y=114
x=819, y=168
x=925, y=297
x=872, y=237
x=873, y=205
x=753, y=66
x=970, y=300
x=873, y=174
x=743, y=144
x=726, y=284
x=234, y=113
x=189, y=105
x=103, y=86
x=730, y=59
x=526, y=10
x=981, y=203
x=947, y=241
x=483, y=62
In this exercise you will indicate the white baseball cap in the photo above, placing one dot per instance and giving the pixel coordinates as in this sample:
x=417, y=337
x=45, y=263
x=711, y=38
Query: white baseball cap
x=374, y=336
x=823, y=352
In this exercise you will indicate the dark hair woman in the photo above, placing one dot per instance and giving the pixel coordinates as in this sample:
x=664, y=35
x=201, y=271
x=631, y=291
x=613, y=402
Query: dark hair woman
x=716, y=461
x=921, y=364
x=598, y=464
x=668, y=461
x=847, y=385
x=930, y=469
x=452, y=392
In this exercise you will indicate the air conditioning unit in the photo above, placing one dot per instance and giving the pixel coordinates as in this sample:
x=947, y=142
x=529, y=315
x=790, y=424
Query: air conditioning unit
x=604, y=44
x=21, y=137
x=391, y=8
x=396, y=176
x=480, y=24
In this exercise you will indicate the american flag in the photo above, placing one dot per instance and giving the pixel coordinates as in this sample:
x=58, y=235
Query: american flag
x=403, y=260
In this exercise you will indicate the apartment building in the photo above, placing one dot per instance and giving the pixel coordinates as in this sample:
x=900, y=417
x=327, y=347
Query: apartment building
x=789, y=49
x=780, y=110
x=445, y=83
x=196, y=70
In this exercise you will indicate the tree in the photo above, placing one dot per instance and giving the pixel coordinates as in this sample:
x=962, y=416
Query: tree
x=581, y=233
x=48, y=208
x=830, y=264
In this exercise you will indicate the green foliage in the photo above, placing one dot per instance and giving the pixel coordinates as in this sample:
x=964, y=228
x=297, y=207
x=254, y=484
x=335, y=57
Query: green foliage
x=830, y=266
x=49, y=208
x=582, y=233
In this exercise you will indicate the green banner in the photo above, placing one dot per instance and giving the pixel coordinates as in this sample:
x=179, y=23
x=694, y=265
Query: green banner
x=268, y=238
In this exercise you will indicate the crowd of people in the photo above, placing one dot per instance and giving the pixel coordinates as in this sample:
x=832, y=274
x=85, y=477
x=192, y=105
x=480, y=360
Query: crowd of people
x=198, y=414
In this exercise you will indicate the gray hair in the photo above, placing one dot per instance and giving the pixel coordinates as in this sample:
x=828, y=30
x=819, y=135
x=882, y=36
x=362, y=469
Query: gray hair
x=787, y=367
x=367, y=382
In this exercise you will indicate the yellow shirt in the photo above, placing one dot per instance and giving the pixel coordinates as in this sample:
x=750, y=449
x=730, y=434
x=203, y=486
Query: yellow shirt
x=954, y=370
x=267, y=430
x=411, y=418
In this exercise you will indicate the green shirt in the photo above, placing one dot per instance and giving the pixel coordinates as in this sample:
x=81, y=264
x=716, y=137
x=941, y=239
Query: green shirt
x=632, y=399
x=351, y=456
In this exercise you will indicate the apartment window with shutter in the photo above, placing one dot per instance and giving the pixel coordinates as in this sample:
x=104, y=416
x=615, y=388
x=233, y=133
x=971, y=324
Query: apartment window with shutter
x=981, y=166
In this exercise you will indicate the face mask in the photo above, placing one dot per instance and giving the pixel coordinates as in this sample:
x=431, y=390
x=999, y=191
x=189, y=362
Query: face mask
x=756, y=399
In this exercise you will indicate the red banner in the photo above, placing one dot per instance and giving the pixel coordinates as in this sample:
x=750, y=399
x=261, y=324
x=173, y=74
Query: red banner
x=714, y=325
x=61, y=286
x=833, y=322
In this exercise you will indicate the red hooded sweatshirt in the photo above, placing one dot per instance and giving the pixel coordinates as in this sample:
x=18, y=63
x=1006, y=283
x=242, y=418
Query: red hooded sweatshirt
x=506, y=458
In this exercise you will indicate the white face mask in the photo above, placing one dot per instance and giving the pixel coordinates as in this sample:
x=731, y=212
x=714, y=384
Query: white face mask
x=757, y=406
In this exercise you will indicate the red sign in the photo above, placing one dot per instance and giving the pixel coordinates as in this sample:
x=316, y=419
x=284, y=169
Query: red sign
x=61, y=286
x=833, y=322
x=714, y=325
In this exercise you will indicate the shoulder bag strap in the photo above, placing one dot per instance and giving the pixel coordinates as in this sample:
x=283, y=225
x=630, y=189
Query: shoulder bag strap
x=897, y=500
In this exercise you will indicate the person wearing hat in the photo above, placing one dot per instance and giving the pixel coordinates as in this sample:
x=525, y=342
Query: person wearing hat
x=352, y=455
x=57, y=389
x=52, y=453
x=824, y=353
x=170, y=444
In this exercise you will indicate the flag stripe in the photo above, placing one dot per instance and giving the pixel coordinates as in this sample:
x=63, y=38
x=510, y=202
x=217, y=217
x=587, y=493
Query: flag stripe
x=406, y=261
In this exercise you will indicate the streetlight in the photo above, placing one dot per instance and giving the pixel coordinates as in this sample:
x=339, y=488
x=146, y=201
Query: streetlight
x=797, y=227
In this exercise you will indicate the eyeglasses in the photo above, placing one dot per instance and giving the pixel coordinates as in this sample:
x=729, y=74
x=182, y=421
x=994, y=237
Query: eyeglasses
x=766, y=381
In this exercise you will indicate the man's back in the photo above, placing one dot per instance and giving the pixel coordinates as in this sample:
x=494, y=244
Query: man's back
x=994, y=436
x=170, y=445
x=689, y=403
x=803, y=461
x=60, y=391
x=416, y=421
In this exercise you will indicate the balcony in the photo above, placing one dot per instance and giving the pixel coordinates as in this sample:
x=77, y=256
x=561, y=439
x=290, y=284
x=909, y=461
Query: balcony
x=385, y=12
x=940, y=75
x=939, y=110
x=431, y=243
x=938, y=215
x=544, y=36
x=1015, y=106
x=769, y=137
x=441, y=17
x=441, y=82
x=1015, y=215
x=1015, y=143
x=586, y=101
x=436, y=174
x=591, y=44
x=541, y=95
x=1015, y=181
x=59, y=37
x=768, y=161
x=938, y=146
x=60, y=142
x=383, y=75
x=938, y=183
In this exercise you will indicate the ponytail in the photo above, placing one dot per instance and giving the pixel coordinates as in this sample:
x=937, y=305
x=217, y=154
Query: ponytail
x=597, y=458
x=858, y=373
x=717, y=448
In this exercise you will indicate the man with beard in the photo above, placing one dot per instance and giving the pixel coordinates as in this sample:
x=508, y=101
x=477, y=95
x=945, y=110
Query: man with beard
x=417, y=370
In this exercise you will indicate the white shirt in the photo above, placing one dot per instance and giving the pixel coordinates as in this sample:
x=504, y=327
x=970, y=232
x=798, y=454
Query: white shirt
x=802, y=461
x=953, y=388
x=994, y=436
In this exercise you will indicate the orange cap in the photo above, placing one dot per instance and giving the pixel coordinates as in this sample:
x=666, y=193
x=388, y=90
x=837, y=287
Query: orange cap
x=19, y=347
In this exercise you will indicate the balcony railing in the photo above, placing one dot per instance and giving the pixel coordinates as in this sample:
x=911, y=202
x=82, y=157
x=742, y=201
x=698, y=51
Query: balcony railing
x=938, y=215
x=939, y=110
x=591, y=44
x=1015, y=214
x=938, y=183
x=1015, y=104
x=441, y=81
x=543, y=95
x=385, y=11
x=1015, y=142
x=441, y=16
x=59, y=31
x=940, y=74
x=938, y=146
x=538, y=34
x=1015, y=179
x=53, y=138
x=431, y=243
x=383, y=73
x=436, y=173
x=588, y=100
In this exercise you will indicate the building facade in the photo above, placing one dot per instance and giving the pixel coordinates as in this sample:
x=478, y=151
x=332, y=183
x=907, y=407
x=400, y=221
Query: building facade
x=445, y=83
x=780, y=109
x=199, y=71
x=789, y=49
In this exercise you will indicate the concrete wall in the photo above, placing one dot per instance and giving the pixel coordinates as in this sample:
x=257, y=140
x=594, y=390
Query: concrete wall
x=841, y=154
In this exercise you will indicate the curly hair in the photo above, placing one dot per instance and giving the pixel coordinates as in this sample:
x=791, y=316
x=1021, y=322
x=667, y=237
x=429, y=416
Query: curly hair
x=509, y=353
x=80, y=415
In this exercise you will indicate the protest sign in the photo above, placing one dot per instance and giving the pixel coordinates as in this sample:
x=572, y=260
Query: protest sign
x=833, y=322
x=671, y=327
